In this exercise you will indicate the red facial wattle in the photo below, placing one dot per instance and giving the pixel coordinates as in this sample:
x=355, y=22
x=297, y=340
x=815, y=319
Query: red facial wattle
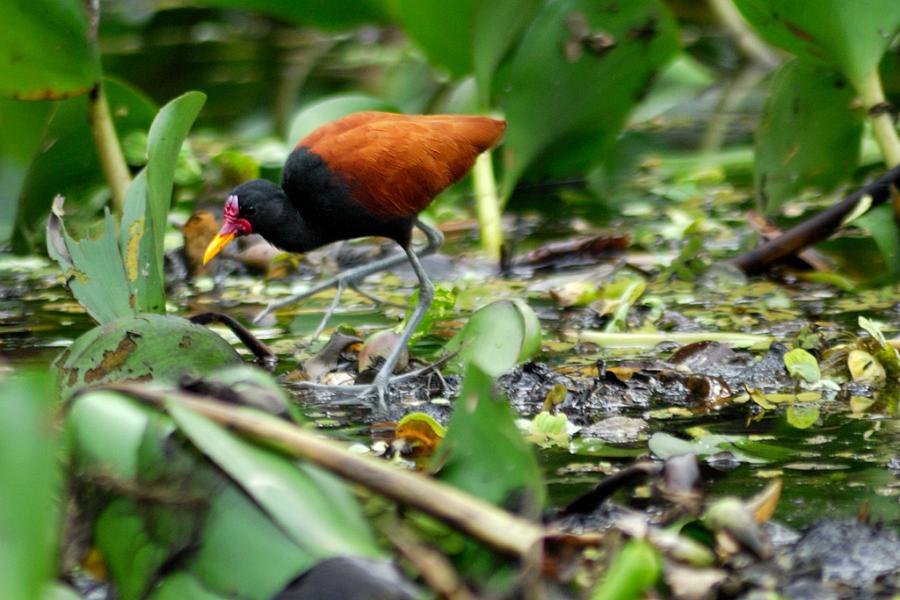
x=234, y=226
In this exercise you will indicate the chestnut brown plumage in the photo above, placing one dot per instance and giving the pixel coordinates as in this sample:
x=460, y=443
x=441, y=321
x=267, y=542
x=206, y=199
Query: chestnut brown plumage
x=367, y=174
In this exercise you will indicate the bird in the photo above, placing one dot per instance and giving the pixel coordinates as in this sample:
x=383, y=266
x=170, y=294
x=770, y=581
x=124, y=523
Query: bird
x=365, y=174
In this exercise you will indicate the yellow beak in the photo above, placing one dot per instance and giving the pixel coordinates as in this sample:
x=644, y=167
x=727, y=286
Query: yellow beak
x=216, y=245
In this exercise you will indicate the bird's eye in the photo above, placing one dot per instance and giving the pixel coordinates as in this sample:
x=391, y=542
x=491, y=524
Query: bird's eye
x=249, y=211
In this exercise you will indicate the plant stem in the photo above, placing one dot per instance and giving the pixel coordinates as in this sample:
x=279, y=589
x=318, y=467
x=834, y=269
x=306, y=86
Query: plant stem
x=488, y=205
x=880, y=118
x=112, y=161
x=744, y=37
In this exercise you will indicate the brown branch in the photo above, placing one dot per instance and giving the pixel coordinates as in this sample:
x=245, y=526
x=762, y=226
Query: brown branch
x=817, y=228
x=483, y=521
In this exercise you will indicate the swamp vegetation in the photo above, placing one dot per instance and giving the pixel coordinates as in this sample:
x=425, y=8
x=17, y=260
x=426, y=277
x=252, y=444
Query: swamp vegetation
x=662, y=361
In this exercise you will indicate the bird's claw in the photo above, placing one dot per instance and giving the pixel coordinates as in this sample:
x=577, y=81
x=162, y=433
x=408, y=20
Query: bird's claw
x=377, y=387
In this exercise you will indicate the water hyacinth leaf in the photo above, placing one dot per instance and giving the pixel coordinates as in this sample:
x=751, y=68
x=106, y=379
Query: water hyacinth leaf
x=634, y=570
x=802, y=365
x=314, y=508
x=497, y=337
x=142, y=348
x=865, y=368
x=242, y=552
x=881, y=226
x=23, y=126
x=793, y=150
x=578, y=71
x=448, y=45
x=92, y=267
x=496, y=27
x=851, y=36
x=31, y=484
x=129, y=551
x=104, y=432
x=67, y=161
x=330, y=109
x=146, y=211
x=49, y=53
x=802, y=416
x=483, y=452
x=665, y=445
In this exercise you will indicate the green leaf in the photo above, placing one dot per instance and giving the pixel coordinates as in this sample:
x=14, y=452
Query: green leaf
x=497, y=25
x=242, y=552
x=92, y=268
x=483, y=452
x=145, y=347
x=23, y=125
x=144, y=220
x=67, y=162
x=633, y=571
x=795, y=148
x=851, y=36
x=329, y=109
x=183, y=585
x=497, y=337
x=47, y=53
x=327, y=14
x=30, y=482
x=567, y=100
x=880, y=224
x=802, y=365
x=104, y=431
x=442, y=29
x=315, y=509
x=802, y=416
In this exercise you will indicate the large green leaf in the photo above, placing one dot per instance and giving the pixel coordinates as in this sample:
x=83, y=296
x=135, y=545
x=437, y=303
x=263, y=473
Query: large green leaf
x=851, y=36
x=147, y=204
x=484, y=453
x=241, y=551
x=316, y=510
x=23, y=126
x=328, y=14
x=67, y=161
x=497, y=25
x=883, y=229
x=442, y=29
x=567, y=95
x=141, y=348
x=497, y=337
x=92, y=268
x=30, y=484
x=809, y=134
x=46, y=50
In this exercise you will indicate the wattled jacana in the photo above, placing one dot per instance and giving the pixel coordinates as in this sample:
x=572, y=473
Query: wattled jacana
x=366, y=174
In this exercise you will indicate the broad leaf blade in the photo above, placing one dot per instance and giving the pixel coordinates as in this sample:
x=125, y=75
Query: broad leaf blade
x=46, y=50
x=809, y=134
x=315, y=509
x=442, y=29
x=30, y=484
x=497, y=25
x=327, y=14
x=92, y=267
x=147, y=203
x=67, y=162
x=851, y=36
x=567, y=100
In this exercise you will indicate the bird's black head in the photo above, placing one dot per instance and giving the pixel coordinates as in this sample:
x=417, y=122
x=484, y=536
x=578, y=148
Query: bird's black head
x=257, y=206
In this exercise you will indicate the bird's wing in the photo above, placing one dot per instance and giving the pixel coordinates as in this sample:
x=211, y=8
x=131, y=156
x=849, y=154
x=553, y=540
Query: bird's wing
x=396, y=164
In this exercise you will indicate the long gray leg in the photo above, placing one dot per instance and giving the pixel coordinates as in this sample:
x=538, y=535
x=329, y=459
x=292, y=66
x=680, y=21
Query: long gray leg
x=426, y=295
x=434, y=240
